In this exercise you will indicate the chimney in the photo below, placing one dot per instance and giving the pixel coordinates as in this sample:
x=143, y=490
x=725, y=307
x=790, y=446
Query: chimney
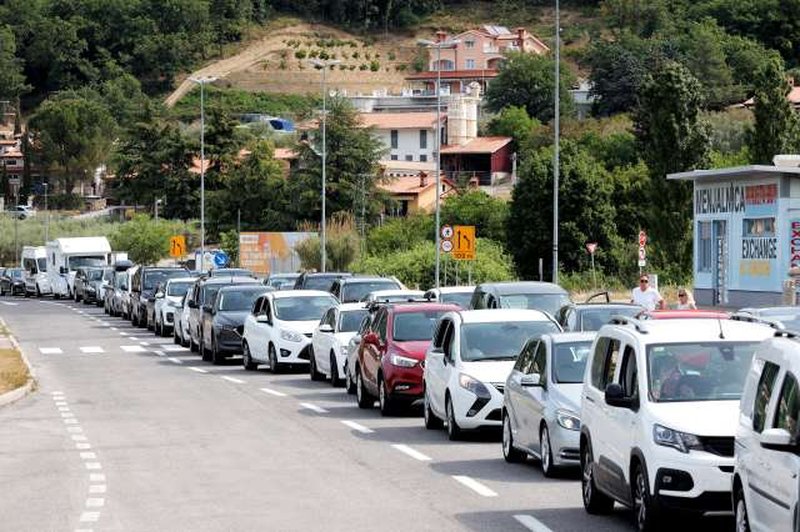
x=521, y=39
x=423, y=179
x=441, y=36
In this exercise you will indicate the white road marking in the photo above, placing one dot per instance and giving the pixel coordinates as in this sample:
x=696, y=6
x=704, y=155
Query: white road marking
x=133, y=348
x=160, y=353
x=63, y=409
x=95, y=502
x=105, y=324
x=114, y=329
x=83, y=446
x=88, y=456
x=81, y=529
x=123, y=333
x=92, y=349
x=193, y=368
x=56, y=393
x=8, y=304
x=78, y=437
x=97, y=488
x=233, y=380
x=71, y=421
x=276, y=393
x=97, y=477
x=175, y=360
x=93, y=466
x=134, y=338
x=172, y=347
x=413, y=453
x=51, y=350
x=142, y=343
x=532, y=524
x=74, y=429
x=90, y=517
x=67, y=415
x=313, y=407
x=359, y=428
x=475, y=486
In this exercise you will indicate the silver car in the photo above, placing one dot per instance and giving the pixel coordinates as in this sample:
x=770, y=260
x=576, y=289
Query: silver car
x=541, y=403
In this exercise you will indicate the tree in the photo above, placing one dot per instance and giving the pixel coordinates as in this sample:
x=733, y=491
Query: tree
x=514, y=122
x=477, y=208
x=527, y=80
x=72, y=136
x=145, y=240
x=617, y=70
x=776, y=123
x=672, y=138
x=703, y=51
x=586, y=212
x=12, y=80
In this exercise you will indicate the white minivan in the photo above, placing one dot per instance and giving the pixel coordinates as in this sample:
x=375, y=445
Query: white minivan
x=34, y=262
x=767, y=454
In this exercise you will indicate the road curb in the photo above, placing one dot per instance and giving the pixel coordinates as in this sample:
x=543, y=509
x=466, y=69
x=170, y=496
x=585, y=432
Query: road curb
x=17, y=394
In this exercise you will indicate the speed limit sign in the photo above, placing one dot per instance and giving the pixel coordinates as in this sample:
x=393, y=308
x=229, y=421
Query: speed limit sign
x=447, y=246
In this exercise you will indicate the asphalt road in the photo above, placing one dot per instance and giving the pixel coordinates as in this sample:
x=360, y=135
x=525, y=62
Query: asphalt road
x=130, y=432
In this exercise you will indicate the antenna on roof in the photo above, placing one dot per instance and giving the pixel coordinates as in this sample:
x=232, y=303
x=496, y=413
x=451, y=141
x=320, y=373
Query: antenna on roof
x=721, y=332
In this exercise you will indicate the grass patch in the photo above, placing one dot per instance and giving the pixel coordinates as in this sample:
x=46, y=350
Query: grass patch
x=13, y=371
x=235, y=101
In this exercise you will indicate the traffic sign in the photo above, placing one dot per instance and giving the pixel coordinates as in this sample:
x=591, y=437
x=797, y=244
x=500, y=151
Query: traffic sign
x=446, y=245
x=591, y=247
x=220, y=259
x=642, y=257
x=177, y=246
x=642, y=239
x=464, y=245
x=447, y=232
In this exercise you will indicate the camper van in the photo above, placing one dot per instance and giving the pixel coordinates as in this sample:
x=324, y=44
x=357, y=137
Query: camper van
x=34, y=262
x=65, y=255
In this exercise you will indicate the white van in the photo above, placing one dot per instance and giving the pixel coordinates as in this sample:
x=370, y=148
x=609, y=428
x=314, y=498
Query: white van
x=34, y=262
x=65, y=255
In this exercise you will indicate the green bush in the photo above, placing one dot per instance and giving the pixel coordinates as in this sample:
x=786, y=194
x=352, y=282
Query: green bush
x=31, y=232
x=374, y=65
x=300, y=54
x=399, y=234
x=147, y=240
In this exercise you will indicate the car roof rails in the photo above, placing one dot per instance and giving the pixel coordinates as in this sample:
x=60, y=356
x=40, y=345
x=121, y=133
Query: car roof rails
x=637, y=324
x=749, y=318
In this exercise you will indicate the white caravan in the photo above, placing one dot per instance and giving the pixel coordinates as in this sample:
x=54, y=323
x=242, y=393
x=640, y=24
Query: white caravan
x=65, y=255
x=34, y=262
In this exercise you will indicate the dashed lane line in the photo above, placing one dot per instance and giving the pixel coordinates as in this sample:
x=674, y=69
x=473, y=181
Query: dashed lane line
x=175, y=360
x=92, y=349
x=233, y=380
x=270, y=391
x=532, y=524
x=413, y=453
x=357, y=427
x=475, y=486
x=133, y=348
x=314, y=408
x=193, y=368
x=51, y=350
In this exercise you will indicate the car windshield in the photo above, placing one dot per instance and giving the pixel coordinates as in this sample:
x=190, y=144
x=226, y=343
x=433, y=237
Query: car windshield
x=349, y=320
x=415, y=326
x=210, y=293
x=156, y=277
x=569, y=361
x=549, y=303
x=303, y=308
x=108, y=274
x=462, y=299
x=356, y=291
x=15, y=273
x=239, y=300
x=233, y=272
x=319, y=283
x=94, y=275
x=698, y=371
x=121, y=280
x=41, y=264
x=91, y=261
x=594, y=318
x=499, y=340
x=178, y=288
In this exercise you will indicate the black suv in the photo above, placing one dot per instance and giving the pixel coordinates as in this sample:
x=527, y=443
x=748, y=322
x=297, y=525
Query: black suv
x=143, y=288
x=318, y=281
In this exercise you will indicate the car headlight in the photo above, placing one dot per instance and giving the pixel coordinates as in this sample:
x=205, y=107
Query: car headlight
x=343, y=350
x=403, y=362
x=474, y=385
x=91, y=289
x=681, y=441
x=568, y=420
x=291, y=336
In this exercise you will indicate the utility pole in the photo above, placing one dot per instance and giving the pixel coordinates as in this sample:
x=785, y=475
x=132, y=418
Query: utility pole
x=46, y=217
x=202, y=82
x=556, y=154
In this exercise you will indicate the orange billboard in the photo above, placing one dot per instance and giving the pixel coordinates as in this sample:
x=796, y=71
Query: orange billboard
x=264, y=253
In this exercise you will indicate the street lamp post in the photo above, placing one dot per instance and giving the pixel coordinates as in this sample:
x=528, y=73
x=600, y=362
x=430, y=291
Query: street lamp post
x=324, y=64
x=46, y=217
x=438, y=45
x=202, y=81
x=556, y=154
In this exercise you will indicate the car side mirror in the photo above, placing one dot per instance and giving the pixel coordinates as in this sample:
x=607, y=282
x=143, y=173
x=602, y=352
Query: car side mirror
x=778, y=440
x=262, y=318
x=207, y=308
x=615, y=396
x=159, y=295
x=192, y=304
x=531, y=379
x=325, y=328
x=63, y=269
x=357, y=339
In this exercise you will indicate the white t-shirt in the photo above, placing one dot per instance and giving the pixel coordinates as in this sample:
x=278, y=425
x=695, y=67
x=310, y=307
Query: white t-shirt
x=646, y=298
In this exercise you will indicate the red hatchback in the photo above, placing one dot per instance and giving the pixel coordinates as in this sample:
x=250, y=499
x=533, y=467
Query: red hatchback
x=392, y=354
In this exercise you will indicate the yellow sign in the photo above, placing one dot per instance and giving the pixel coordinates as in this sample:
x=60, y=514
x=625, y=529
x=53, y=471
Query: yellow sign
x=463, y=242
x=177, y=246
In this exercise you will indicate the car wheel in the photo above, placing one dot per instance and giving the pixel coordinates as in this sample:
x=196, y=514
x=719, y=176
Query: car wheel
x=205, y=354
x=274, y=365
x=647, y=515
x=247, y=359
x=431, y=421
x=349, y=383
x=164, y=330
x=365, y=400
x=385, y=402
x=336, y=380
x=157, y=328
x=740, y=509
x=216, y=355
x=134, y=320
x=175, y=338
x=184, y=341
x=312, y=367
x=594, y=501
x=510, y=453
x=454, y=432
x=548, y=468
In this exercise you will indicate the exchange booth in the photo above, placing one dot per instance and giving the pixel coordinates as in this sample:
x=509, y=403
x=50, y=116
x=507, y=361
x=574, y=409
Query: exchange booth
x=746, y=232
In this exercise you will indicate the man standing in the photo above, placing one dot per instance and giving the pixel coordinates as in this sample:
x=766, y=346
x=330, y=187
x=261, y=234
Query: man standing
x=646, y=296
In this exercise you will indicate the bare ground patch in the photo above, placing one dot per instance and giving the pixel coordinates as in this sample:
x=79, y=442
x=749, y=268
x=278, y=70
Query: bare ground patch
x=13, y=371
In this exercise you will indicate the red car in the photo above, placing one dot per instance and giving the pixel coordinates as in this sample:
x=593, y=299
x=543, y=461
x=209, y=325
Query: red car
x=392, y=354
x=683, y=314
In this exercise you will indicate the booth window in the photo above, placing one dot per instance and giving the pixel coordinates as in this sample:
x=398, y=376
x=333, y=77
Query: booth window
x=758, y=227
x=704, y=247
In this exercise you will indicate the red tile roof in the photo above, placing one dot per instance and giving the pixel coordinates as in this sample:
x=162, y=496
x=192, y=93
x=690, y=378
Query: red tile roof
x=411, y=184
x=478, y=145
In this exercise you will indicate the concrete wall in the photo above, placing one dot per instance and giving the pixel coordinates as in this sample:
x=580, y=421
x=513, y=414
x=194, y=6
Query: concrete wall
x=739, y=298
x=407, y=144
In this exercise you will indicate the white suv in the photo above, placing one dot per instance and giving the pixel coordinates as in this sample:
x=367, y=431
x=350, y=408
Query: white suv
x=658, y=415
x=765, y=486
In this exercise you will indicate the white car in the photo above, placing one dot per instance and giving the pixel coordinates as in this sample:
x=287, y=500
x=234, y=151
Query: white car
x=351, y=360
x=181, y=333
x=330, y=340
x=168, y=300
x=278, y=330
x=459, y=295
x=767, y=462
x=659, y=411
x=392, y=296
x=542, y=401
x=468, y=362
